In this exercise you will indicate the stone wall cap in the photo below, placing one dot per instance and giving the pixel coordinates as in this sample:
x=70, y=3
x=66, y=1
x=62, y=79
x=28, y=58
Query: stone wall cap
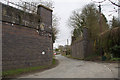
x=45, y=7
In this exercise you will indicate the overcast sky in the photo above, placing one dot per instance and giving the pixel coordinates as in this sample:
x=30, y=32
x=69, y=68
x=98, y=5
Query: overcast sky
x=63, y=9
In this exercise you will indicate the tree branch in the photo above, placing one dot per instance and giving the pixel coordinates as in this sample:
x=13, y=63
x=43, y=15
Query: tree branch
x=114, y=3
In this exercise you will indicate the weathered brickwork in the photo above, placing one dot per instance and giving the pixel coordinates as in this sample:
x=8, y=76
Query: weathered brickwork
x=83, y=47
x=23, y=44
x=46, y=13
x=13, y=15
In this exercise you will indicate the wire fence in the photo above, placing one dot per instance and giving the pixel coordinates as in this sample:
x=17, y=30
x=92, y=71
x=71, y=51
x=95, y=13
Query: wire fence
x=30, y=7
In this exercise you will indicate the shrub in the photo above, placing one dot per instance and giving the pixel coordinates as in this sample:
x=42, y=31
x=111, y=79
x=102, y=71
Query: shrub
x=115, y=51
x=110, y=41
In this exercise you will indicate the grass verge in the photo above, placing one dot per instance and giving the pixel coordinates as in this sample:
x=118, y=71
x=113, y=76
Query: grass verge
x=95, y=58
x=26, y=70
x=115, y=59
x=23, y=70
x=69, y=56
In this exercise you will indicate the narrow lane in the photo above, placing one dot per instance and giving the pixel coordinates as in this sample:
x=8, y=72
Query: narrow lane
x=70, y=68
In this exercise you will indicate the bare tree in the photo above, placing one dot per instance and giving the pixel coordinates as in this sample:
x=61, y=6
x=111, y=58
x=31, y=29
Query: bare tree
x=87, y=18
x=31, y=7
x=116, y=4
x=55, y=23
x=75, y=19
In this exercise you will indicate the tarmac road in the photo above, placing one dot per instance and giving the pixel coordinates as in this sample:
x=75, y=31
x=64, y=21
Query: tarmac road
x=70, y=68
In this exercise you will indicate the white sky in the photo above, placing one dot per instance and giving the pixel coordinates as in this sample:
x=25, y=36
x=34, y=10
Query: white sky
x=63, y=9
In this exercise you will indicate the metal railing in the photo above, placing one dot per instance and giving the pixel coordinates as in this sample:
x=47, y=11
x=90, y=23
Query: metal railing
x=30, y=7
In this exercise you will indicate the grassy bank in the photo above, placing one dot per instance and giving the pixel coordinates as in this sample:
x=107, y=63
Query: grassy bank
x=69, y=56
x=106, y=58
x=115, y=59
x=94, y=57
x=26, y=70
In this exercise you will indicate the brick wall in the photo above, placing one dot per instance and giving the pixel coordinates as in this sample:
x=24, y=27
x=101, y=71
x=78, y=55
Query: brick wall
x=83, y=47
x=23, y=44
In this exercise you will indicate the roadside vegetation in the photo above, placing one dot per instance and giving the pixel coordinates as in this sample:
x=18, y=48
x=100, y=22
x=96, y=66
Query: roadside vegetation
x=106, y=39
x=69, y=56
x=17, y=72
x=20, y=71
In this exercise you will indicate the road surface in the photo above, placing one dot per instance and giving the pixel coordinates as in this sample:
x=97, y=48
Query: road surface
x=70, y=68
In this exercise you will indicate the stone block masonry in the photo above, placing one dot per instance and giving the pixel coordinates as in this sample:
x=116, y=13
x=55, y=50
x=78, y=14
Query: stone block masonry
x=82, y=47
x=23, y=40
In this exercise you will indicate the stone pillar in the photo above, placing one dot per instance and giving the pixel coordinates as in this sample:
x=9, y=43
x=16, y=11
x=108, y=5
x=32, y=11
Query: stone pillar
x=85, y=41
x=46, y=25
x=85, y=33
x=45, y=14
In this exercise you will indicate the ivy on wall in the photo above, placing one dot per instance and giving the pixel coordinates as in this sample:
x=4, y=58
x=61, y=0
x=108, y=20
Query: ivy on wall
x=110, y=41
